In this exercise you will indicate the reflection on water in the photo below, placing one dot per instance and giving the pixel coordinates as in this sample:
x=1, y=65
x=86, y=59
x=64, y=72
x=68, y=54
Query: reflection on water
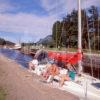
x=17, y=56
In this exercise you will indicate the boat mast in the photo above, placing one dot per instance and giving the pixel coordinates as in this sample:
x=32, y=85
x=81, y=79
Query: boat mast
x=79, y=35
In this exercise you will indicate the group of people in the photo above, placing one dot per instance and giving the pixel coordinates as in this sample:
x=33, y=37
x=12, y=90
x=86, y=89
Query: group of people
x=50, y=70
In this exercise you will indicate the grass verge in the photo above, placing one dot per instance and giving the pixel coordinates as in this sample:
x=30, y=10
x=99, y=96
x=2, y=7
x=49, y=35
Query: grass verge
x=2, y=94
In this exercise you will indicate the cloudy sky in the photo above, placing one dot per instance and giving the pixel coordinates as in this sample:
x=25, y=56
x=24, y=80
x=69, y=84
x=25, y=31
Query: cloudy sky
x=30, y=20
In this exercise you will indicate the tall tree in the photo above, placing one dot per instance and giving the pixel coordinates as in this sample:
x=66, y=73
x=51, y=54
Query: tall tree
x=56, y=32
x=67, y=30
x=93, y=24
x=84, y=30
x=71, y=28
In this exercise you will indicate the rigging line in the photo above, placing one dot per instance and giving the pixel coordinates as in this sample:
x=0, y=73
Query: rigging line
x=56, y=27
x=61, y=34
x=98, y=41
x=94, y=32
x=56, y=6
x=89, y=43
x=83, y=22
x=98, y=30
x=56, y=35
x=89, y=46
x=98, y=72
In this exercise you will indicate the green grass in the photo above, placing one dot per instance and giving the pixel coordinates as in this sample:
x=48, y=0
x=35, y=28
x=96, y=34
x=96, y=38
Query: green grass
x=2, y=94
x=63, y=49
x=92, y=51
x=71, y=50
x=75, y=50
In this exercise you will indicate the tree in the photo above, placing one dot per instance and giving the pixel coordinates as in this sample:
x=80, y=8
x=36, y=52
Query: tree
x=84, y=29
x=71, y=27
x=2, y=41
x=66, y=31
x=56, y=32
x=93, y=24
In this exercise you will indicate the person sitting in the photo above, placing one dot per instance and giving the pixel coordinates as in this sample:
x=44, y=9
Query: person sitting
x=40, y=69
x=45, y=72
x=63, y=76
x=66, y=74
x=71, y=72
x=33, y=64
x=52, y=71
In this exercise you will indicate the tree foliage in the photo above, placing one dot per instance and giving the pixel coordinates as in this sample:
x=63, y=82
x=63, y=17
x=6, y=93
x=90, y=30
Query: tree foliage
x=66, y=31
x=94, y=27
x=56, y=32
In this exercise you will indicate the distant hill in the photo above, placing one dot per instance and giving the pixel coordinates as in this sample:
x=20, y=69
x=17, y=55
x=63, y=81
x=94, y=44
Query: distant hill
x=47, y=40
x=5, y=42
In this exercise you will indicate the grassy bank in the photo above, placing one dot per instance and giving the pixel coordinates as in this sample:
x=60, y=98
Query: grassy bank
x=2, y=94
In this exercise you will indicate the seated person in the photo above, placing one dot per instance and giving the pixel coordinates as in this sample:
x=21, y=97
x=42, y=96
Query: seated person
x=33, y=64
x=63, y=76
x=45, y=72
x=66, y=74
x=40, y=69
x=71, y=73
x=52, y=71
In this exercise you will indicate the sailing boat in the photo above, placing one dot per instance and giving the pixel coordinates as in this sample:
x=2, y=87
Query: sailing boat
x=17, y=46
x=83, y=85
x=90, y=92
x=84, y=88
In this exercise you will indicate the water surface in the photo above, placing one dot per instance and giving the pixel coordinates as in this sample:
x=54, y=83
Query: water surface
x=16, y=55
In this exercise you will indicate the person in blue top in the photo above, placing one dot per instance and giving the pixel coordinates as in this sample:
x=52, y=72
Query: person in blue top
x=71, y=72
x=66, y=74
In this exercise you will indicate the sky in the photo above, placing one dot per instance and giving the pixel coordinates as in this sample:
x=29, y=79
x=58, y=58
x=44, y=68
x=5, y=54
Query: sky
x=31, y=20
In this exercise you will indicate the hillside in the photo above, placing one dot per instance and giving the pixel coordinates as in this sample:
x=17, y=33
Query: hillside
x=47, y=40
x=5, y=42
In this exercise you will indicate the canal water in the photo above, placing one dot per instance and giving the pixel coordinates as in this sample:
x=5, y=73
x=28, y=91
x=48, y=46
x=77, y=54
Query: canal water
x=16, y=55
x=23, y=60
